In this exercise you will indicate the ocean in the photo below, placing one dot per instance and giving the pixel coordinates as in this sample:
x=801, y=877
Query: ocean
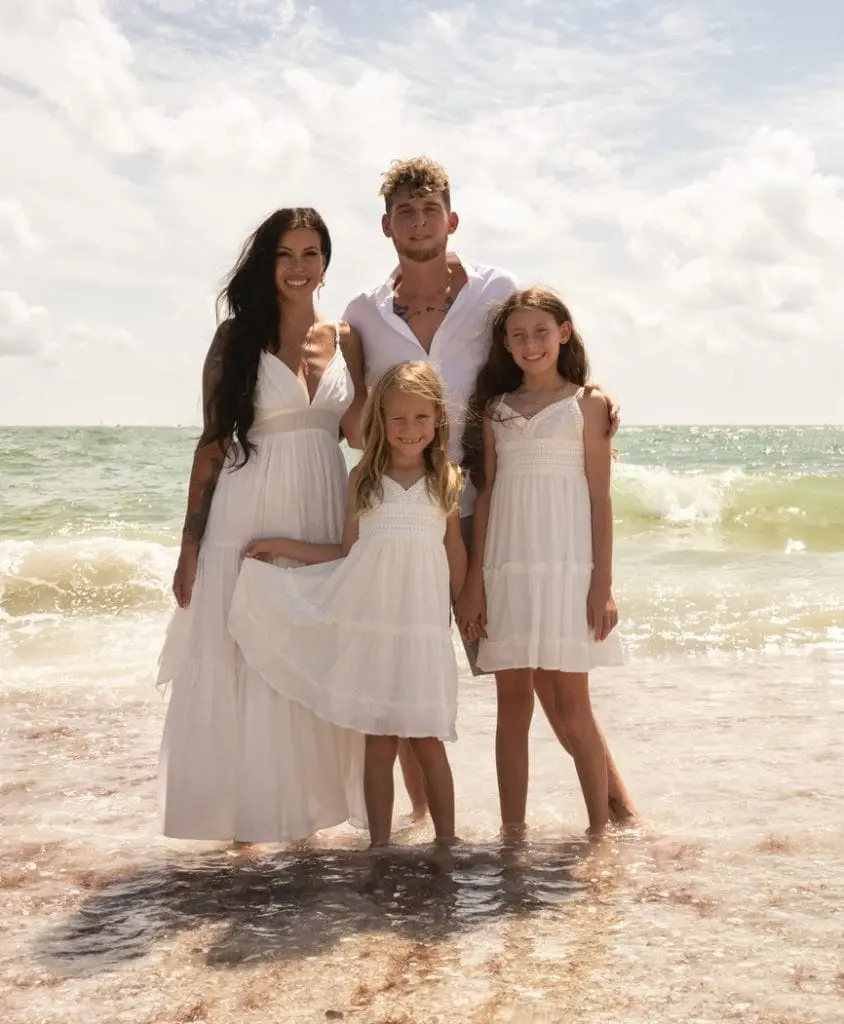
x=727, y=724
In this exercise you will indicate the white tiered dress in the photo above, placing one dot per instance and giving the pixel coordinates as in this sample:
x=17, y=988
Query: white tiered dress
x=365, y=641
x=238, y=760
x=538, y=553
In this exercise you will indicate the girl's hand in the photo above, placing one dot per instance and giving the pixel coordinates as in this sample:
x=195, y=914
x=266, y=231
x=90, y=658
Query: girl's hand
x=266, y=550
x=474, y=632
x=601, y=612
x=185, y=574
x=470, y=611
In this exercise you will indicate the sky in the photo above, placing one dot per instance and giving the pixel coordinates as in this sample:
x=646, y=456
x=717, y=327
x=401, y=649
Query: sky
x=675, y=170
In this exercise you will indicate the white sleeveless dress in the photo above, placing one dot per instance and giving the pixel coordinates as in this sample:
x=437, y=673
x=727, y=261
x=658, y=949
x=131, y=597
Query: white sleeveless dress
x=538, y=553
x=365, y=641
x=238, y=760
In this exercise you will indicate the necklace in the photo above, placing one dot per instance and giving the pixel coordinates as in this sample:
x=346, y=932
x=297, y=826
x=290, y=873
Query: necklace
x=532, y=397
x=433, y=304
x=444, y=289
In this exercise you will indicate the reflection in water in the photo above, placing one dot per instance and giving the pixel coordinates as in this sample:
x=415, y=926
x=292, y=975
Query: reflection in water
x=725, y=907
x=283, y=907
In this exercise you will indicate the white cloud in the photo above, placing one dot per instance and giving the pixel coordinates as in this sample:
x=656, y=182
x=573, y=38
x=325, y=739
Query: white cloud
x=756, y=244
x=95, y=340
x=450, y=24
x=73, y=56
x=24, y=329
x=16, y=233
x=606, y=151
x=737, y=295
x=31, y=332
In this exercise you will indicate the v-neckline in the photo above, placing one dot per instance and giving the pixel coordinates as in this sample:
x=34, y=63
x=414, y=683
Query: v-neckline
x=539, y=412
x=408, y=331
x=401, y=487
x=310, y=399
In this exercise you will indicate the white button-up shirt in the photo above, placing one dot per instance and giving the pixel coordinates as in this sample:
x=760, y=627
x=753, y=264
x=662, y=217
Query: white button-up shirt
x=458, y=350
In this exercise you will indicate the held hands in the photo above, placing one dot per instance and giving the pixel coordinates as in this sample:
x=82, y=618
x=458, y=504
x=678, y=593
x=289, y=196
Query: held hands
x=185, y=575
x=601, y=611
x=470, y=611
x=266, y=550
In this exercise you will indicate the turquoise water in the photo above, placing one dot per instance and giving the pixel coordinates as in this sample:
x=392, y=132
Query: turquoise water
x=756, y=486
x=727, y=537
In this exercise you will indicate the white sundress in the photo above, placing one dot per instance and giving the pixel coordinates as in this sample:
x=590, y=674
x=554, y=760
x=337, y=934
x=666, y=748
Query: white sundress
x=538, y=552
x=238, y=760
x=365, y=641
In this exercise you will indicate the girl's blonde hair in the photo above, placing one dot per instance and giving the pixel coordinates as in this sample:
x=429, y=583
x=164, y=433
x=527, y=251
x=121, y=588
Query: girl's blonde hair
x=444, y=479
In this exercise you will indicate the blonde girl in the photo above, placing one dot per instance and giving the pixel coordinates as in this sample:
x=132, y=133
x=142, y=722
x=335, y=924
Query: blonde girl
x=361, y=634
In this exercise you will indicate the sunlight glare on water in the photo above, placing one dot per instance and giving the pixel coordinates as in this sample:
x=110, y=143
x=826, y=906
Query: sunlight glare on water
x=727, y=724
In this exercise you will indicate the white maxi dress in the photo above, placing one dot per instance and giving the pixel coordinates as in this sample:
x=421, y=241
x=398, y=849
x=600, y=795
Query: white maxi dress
x=238, y=759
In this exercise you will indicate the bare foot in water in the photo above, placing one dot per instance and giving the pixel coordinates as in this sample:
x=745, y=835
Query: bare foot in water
x=380, y=862
x=418, y=816
x=442, y=852
x=622, y=814
x=239, y=848
x=513, y=835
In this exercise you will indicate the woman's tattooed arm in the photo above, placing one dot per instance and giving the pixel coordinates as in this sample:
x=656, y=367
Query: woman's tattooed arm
x=210, y=453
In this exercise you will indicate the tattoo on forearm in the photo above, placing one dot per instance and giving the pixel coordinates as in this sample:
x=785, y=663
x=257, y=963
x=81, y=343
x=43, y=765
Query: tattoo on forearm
x=197, y=518
x=405, y=313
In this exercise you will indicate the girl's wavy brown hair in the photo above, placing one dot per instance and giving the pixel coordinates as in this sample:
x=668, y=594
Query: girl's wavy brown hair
x=500, y=374
x=444, y=479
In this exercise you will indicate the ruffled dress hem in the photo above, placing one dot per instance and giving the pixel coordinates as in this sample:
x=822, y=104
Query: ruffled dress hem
x=553, y=654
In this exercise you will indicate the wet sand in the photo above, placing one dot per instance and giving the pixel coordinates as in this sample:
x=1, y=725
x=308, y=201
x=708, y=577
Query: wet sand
x=726, y=905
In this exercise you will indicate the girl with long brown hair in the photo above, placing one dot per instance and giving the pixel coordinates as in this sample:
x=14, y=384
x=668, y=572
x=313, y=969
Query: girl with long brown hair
x=539, y=588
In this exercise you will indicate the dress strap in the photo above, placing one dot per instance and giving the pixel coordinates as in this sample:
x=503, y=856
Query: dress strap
x=336, y=333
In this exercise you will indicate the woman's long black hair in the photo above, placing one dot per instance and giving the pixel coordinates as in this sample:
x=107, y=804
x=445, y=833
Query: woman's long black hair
x=249, y=302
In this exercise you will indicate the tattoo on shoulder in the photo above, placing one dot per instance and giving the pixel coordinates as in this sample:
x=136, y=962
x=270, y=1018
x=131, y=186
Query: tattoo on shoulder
x=214, y=358
x=211, y=373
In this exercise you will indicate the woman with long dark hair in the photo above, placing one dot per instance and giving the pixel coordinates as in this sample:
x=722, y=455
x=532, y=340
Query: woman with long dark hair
x=239, y=761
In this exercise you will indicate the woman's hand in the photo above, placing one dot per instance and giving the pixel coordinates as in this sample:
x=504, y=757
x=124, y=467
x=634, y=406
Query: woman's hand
x=613, y=408
x=470, y=610
x=185, y=575
x=266, y=550
x=601, y=612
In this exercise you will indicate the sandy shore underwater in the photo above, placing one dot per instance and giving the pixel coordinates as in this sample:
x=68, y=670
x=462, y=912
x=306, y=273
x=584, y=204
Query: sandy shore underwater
x=725, y=906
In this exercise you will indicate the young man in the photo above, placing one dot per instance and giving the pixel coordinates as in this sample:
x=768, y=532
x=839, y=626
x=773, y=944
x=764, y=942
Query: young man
x=434, y=307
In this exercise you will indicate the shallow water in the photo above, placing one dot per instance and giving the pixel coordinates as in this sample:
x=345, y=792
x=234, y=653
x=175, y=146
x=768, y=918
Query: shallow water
x=725, y=905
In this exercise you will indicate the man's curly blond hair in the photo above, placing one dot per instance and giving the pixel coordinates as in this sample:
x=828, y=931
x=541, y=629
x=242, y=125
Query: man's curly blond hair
x=418, y=176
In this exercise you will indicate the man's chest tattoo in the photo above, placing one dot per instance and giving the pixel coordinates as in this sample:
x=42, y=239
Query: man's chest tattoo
x=407, y=314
